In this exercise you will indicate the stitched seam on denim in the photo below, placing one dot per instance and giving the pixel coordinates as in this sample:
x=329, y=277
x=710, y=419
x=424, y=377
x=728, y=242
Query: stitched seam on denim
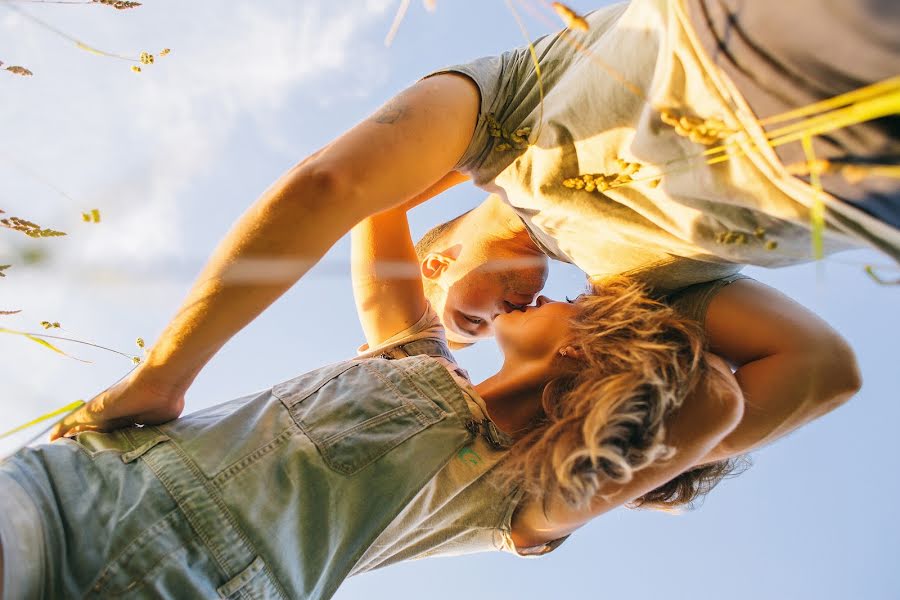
x=105, y=451
x=85, y=451
x=311, y=389
x=456, y=396
x=368, y=423
x=146, y=577
x=403, y=436
x=192, y=520
x=329, y=590
x=423, y=368
x=238, y=584
x=212, y=495
x=400, y=396
x=129, y=550
x=70, y=442
x=444, y=389
x=239, y=465
x=412, y=372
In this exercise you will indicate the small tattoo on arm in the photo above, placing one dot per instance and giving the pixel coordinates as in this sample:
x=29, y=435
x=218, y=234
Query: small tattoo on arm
x=389, y=114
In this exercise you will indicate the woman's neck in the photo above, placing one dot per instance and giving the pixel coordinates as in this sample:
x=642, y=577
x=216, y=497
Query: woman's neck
x=512, y=403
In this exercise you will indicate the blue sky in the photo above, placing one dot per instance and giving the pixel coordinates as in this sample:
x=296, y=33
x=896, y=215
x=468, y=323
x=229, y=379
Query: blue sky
x=171, y=156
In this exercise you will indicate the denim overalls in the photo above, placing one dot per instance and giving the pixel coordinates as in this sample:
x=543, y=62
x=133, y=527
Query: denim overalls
x=274, y=495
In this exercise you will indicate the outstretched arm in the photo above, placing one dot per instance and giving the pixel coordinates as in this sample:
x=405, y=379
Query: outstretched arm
x=395, y=155
x=791, y=366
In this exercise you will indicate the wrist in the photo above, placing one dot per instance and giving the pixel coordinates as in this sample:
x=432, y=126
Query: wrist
x=162, y=377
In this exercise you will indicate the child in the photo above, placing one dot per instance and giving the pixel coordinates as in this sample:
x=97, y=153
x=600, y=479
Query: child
x=391, y=456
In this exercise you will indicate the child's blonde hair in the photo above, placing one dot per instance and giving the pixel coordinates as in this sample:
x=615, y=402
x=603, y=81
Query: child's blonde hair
x=638, y=360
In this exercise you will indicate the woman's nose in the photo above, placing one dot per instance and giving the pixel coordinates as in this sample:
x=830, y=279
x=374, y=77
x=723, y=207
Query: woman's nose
x=542, y=300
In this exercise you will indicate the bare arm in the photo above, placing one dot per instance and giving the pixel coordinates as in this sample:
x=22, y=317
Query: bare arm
x=387, y=280
x=387, y=284
x=705, y=418
x=442, y=185
x=791, y=366
x=388, y=159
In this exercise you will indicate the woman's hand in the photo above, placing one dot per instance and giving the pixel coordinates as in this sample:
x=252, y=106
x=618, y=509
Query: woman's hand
x=139, y=398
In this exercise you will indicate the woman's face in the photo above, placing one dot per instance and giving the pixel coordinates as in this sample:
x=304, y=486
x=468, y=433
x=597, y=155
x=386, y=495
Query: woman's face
x=534, y=331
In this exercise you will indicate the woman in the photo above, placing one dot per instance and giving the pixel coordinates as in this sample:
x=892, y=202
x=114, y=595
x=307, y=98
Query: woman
x=393, y=456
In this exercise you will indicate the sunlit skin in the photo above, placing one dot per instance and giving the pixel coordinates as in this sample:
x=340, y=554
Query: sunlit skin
x=487, y=266
x=535, y=341
x=470, y=306
x=533, y=330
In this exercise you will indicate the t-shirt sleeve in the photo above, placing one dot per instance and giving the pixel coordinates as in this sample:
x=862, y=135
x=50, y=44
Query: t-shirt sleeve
x=541, y=550
x=693, y=301
x=506, y=527
x=427, y=327
x=487, y=75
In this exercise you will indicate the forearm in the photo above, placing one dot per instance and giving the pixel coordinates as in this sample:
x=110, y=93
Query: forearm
x=787, y=390
x=397, y=154
x=791, y=366
x=442, y=185
x=278, y=239
x=387, y=284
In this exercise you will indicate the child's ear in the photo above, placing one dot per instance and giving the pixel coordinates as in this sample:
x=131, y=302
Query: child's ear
x=435, y=264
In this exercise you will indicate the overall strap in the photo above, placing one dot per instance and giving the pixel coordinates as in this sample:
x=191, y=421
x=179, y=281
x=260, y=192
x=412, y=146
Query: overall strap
x=427, y=346
x=496, y=438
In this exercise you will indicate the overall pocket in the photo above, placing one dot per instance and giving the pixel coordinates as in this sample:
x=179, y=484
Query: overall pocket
x=154, y=565
x=356, y=412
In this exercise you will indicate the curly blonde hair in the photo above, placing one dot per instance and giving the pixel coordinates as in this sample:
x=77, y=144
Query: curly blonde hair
x=638, y=360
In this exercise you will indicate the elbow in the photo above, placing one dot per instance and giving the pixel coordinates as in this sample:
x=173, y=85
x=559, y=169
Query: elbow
x=851, y=381
x=322, y=190
x=730, y=413
x=837, y=371
x=726, y=413
x=727, y=418
x=724, y=402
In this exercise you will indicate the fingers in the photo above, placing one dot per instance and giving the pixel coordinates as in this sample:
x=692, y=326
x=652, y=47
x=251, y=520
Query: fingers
x=71, y=424
x=122, y=405
x=84, y=419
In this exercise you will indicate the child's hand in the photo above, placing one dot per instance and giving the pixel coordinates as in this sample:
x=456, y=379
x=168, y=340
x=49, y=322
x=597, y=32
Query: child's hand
x=136, y=399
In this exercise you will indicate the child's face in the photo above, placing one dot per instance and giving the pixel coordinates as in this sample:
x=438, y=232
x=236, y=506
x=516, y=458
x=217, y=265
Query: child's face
x=535, y=331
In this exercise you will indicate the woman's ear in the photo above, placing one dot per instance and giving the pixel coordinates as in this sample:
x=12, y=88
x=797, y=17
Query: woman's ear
x=435, y=264
x=570, y=351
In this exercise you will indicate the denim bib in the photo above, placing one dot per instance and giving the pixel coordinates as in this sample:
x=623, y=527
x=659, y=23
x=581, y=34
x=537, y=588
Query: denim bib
x=273, y=495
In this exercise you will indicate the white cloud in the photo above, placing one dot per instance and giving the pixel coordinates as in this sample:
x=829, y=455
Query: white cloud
x=132, y=144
